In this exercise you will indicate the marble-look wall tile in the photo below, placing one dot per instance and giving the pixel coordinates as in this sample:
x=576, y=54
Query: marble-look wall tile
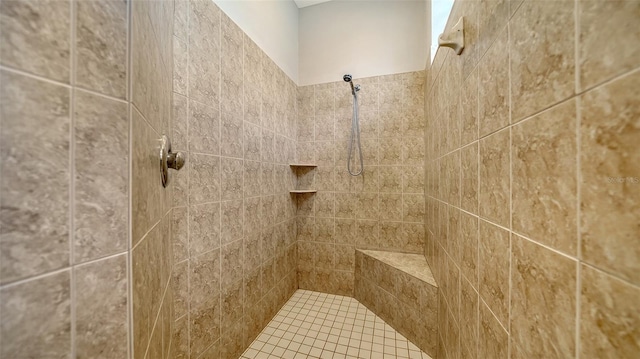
x=35, y=37
x=231, y=135
x=493, y=16
x=539, y=38
x=101, y=46
x=232, y=224
x=36, y=318
x=552, y=84
x=494, y=193
x=181, y=18
x=492, y=338
x=469, y=178
x=493, y=79
x=609, y=320
x=494, y=258
x=204, y=128
x=35, y=176
x=204, y=52
x=544, y=178
x=469, y=304
x=148, y=196
x=101, y=308
x=204, y=228
x=609, y=131
x=232, y=259
x=151, y=273
x=204, y=327
x=101, y=182
x=180, y=124
x=232, y=305
x=151, y=90
x=469, y=102
x=180, y=283
x=204, y=280
x=180, y=338
x=204, y=184
x=469, y=247
x=604, y=50
x=543, y=287
x=180, y=234
x=180, y=66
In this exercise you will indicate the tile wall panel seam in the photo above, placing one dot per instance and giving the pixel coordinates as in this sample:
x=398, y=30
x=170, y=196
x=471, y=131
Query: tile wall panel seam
x=578, y=92
x=129, y=246
x=510, y=114
x=17, y=71
x=72, y=170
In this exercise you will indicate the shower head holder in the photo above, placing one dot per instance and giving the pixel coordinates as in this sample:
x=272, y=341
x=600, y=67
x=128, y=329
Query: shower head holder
x=454, y=38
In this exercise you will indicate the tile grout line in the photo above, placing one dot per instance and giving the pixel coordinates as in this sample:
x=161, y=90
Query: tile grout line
x=510, y=150
x=17, y=71
x=72, y=169
x=578, y=110
x=129, y=99
x=219, y=109
x=187, y=95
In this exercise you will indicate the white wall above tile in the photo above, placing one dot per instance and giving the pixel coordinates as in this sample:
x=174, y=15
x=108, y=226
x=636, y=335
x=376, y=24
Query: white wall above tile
x=364, y=38
x=272, y=25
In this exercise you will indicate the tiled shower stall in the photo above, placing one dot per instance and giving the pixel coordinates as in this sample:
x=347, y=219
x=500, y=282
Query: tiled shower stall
x=508, y=176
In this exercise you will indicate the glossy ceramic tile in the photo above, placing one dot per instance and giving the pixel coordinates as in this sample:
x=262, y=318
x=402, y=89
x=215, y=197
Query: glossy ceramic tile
x=601, y=55
x=607, y=309
x=608, y=152
x=539, y=39
x=101, y=46
x=543, y=287
x=36, y=319
x=101, y=308
x=544, y=189
x=35, y=37
x=35, y=177
x=101, y=182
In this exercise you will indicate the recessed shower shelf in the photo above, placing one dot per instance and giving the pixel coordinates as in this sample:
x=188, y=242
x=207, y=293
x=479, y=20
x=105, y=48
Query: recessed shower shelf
x=301, y=191
x=302, y=165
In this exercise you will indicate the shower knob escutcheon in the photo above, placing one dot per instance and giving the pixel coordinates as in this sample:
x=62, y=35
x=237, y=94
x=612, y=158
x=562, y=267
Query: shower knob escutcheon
x=168, y=159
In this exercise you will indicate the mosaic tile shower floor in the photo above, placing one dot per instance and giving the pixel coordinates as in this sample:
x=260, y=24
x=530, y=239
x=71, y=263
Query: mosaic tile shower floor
x=319, y=325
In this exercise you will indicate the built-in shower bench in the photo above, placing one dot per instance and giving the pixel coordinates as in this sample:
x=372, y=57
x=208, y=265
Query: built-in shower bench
x=401, y=289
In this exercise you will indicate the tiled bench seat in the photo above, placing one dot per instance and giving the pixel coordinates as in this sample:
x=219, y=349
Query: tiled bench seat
x=400, y=288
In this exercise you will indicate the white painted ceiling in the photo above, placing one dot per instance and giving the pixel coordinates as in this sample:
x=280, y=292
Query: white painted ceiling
x=305, y=3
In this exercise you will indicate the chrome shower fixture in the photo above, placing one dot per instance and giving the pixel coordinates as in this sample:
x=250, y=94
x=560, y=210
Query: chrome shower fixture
x=355, y=129
x=348, y=78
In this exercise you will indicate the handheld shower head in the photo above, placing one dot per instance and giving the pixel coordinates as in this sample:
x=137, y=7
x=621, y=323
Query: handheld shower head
x=347, y=78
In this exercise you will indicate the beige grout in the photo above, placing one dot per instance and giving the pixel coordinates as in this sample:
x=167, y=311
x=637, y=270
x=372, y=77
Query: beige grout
x=72, y=174
x=129, y=92
x=510, y=101
x=578, y=174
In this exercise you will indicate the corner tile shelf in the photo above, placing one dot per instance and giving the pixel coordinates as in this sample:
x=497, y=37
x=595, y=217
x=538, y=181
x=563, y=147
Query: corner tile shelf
x=302, y=165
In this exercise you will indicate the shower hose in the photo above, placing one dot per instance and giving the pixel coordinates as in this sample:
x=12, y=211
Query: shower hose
x=355, y=137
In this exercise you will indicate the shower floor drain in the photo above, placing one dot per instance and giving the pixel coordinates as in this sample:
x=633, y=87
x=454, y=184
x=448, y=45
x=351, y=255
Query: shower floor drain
x=319, y=325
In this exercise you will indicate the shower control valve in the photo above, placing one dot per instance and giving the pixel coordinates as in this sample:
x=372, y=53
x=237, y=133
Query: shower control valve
x=168, y=159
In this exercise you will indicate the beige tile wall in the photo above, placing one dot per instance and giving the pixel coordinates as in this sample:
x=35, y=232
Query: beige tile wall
x=233, y=217
x=400, y=288
x=152, y=258
x=64, y=174
x=532, y=183
x=381, y=209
